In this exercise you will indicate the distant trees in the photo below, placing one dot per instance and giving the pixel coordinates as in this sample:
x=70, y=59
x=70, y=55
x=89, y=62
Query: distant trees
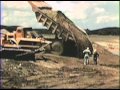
x=105, y=31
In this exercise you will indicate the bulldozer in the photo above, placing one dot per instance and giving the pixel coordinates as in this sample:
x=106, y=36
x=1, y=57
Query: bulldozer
x=69, y=39
x=21, y=43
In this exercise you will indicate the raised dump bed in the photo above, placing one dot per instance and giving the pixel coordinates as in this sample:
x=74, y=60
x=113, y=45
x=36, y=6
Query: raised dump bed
x=61, y=26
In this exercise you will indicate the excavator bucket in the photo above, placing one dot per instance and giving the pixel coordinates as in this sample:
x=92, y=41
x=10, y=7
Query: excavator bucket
x=62, y=26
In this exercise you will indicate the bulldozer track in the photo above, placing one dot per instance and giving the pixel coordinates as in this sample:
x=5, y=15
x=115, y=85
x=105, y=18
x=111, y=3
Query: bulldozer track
x=41, y=49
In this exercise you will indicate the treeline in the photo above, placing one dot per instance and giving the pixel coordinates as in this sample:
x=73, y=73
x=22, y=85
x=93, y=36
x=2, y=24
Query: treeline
x=13, y=28
x=104, y=31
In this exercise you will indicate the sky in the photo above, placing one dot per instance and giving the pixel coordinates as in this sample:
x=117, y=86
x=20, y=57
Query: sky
x=85, y=14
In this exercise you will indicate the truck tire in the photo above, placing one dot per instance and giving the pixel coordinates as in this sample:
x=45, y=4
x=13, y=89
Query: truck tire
x=57, y=48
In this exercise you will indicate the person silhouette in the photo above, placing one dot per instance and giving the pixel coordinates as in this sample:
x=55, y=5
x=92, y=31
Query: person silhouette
x=95, y=56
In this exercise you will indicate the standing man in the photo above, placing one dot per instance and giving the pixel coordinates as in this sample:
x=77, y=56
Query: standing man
x=86, y=53
x=95, y=57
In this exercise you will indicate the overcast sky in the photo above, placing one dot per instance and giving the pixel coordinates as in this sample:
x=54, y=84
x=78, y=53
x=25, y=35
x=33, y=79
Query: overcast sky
x=85, y=14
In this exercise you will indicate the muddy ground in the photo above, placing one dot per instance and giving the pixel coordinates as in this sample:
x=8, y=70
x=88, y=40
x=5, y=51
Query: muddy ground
x=62, y=72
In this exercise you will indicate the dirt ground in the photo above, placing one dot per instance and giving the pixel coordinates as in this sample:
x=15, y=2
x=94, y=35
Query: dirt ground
x=109, y=42
x=62, y=72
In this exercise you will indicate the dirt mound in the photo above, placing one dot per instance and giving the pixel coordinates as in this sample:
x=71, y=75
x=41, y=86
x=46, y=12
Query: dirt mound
x=61, y=72
x=107, y=58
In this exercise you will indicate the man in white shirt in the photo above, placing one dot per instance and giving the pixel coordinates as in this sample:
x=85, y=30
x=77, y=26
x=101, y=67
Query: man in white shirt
x=86, y=55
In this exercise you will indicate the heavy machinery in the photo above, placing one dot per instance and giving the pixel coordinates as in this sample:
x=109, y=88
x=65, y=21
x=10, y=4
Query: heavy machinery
x=24, y=42
x=20, y=42
x=74, y=39
x=69, y=40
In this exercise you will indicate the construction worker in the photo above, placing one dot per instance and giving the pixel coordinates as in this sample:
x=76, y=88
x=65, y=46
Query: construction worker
x=95, y=56
x=86, y=53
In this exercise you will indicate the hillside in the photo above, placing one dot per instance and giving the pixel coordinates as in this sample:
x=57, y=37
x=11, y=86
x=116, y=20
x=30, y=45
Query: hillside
x=105, y=31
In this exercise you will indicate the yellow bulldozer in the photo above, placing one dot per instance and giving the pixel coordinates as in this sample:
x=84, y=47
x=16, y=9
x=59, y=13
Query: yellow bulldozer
x=25, y=43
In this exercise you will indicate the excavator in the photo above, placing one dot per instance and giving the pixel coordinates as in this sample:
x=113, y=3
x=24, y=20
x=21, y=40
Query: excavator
x=69, y=39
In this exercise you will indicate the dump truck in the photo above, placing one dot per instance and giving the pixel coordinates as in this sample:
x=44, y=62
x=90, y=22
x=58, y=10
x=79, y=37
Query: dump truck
x=75, y=39
x=69, y=39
